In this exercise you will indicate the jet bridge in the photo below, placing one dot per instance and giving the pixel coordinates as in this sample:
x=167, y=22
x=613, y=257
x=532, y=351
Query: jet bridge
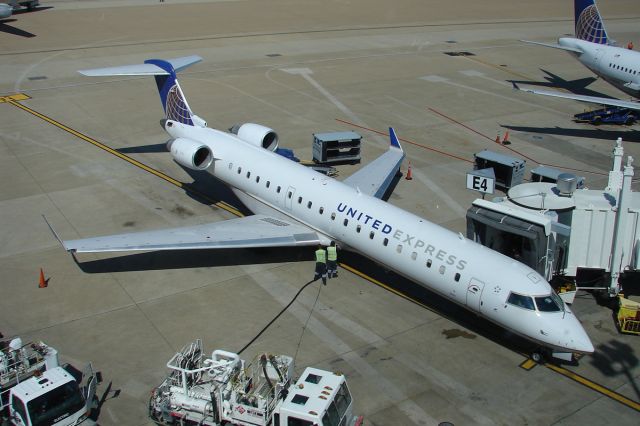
x=588, y=237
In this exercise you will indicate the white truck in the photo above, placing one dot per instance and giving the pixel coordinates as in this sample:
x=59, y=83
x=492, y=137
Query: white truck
x=223, y=390
x=35, y=390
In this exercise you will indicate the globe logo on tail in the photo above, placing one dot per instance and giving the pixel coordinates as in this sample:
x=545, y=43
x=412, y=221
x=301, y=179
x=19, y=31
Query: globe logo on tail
x=176, y=107
x=589, y=26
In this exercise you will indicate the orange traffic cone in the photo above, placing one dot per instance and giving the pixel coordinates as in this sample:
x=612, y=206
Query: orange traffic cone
x=505, y=140
x=409, y=175
x=43, y=282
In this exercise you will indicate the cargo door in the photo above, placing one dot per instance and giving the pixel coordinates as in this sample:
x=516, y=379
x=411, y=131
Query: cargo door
x=474, y=292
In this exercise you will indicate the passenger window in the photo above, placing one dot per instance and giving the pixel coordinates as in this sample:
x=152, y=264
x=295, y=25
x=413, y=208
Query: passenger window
x=248, y=175
x=299, y=200
x=309, y=205
x=278, y=190
x=289, y=194
x=358, y=228
x=239, y=170
x=429, y=263
x=333, y=216
x=371, y=235
x=321, y=210
x=521, y=301
x=399, y=248
x=345, y=222
x=257, y=179
x=441, y=269
x=385, y=242
x=414, y=255
x=268, y=184
x=230, y=166
x=457, y=277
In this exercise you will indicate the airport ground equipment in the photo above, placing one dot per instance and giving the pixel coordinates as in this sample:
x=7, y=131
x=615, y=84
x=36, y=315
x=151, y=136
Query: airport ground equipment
x=336, y=148
x=509, y=171
x=628, y=316
x=29, y=4
x=608, y=115
x=222, y=389
x=550, y=174
x=590, y=238
x=36, y=390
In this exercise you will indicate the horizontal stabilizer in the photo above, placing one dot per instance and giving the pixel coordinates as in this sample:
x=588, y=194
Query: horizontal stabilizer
x=555, y=46
x=178, y=64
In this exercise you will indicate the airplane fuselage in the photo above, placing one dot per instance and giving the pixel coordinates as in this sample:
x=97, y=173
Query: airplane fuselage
x=453, y=266
x=618, y=66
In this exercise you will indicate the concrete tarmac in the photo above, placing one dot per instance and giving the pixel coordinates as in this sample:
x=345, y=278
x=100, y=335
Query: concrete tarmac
x=300, y=68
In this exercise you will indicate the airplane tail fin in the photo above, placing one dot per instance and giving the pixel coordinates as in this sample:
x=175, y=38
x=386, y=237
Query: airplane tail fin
x=589, y=25
x=173, y=100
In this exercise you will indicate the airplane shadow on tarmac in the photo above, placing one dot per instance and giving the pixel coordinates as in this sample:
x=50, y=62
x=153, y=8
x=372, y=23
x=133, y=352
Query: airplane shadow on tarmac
x=578, y=87
x=10, y=29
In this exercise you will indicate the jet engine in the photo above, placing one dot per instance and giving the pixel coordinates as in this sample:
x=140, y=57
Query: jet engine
x=257, y=135
x=191, y=154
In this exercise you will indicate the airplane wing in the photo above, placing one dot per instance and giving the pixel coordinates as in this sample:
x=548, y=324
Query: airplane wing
x=245, y=232
x=582, y=98
x=555, y=46
x=374, y=178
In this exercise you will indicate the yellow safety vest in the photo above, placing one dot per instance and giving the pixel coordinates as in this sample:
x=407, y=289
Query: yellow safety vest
x=332, y=253
x=321, y=256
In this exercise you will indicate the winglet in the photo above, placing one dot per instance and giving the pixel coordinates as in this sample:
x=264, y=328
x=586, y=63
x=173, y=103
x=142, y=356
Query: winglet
x=394, y=139
x=55, y=234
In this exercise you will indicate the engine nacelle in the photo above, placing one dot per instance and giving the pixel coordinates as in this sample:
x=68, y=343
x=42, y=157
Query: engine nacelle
x=257, y=135
x=191, y=154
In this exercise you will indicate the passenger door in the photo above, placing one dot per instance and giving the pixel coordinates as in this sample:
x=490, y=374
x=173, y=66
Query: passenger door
x=474, y=292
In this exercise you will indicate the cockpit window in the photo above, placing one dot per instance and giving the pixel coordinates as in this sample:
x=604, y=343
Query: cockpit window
x=550, y=303
x=521, y=301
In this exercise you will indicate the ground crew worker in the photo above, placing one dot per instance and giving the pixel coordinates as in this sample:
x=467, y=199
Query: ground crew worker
x=321, y=265
x=630, y=45
x=332, y=260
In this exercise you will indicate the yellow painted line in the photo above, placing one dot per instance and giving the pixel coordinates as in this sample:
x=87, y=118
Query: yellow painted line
x=528, y=364
x=221, y=204
x=14, y=97
x=596, y=387
x=505, y=69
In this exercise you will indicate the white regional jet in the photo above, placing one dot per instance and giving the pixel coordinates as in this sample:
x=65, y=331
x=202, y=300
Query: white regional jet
x=618, y=66
x=297, y=206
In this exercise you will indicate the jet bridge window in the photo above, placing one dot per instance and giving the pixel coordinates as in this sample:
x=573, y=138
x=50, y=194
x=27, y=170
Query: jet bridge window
x=550, y=303
x=521, y=301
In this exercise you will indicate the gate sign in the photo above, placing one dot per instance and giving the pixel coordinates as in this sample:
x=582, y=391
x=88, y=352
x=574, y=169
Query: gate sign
x=482, y=180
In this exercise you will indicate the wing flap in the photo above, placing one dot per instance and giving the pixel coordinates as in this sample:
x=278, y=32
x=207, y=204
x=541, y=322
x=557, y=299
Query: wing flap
x=246, y=232
x=374, y=178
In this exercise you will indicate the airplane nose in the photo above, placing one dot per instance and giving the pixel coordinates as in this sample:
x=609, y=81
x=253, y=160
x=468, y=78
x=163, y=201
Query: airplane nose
x=576, y=338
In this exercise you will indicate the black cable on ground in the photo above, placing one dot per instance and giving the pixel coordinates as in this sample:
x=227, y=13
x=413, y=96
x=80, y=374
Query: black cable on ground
x=304, y=328
x=276, y=317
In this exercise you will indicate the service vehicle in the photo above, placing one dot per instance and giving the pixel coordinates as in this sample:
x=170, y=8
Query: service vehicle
x=35, y=390
x=221, y=389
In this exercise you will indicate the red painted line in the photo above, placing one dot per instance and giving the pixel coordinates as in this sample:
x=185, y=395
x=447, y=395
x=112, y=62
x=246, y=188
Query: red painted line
x=511, y=149
x=406, y=140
